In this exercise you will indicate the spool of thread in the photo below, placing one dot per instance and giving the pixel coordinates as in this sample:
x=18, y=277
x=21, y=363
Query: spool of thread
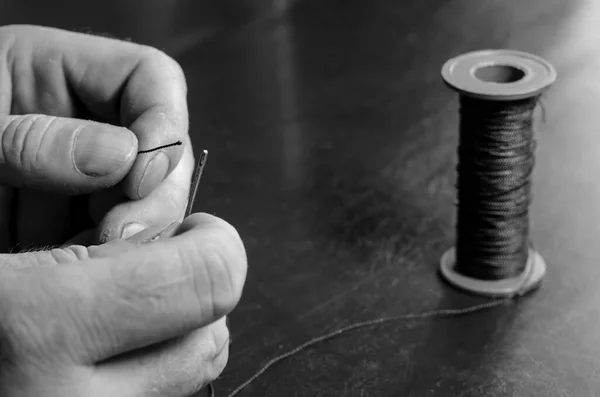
x=498, y=93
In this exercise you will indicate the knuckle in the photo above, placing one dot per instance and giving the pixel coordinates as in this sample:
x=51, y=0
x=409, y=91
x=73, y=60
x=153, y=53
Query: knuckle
x=169, y=65
x=69, y=254
x=22, y=140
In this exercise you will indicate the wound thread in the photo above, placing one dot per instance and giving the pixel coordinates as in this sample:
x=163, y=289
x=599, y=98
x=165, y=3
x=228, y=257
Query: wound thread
x=498, y=92
x=496, y=160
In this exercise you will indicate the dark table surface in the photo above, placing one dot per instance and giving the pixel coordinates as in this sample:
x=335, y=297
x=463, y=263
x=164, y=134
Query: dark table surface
x=333, y=143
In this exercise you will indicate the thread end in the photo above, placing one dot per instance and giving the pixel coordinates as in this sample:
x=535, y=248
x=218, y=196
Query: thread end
x=529, y=280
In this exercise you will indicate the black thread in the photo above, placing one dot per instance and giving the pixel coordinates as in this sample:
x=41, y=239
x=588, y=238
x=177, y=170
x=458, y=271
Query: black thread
x=496, y=159
x=160, y=147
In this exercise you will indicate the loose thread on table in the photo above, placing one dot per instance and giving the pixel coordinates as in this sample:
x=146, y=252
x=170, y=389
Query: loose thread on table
x=495, y=164
x=368, y=323
x=178, y=143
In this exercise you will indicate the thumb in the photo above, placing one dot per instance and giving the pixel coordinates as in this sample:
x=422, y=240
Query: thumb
x=62, y=154
x=122, y=298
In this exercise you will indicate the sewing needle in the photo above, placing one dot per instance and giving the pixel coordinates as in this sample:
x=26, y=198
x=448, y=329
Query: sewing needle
x=172, y=228
x=196, y=182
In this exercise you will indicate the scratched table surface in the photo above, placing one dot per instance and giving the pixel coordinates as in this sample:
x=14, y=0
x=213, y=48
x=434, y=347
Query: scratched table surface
x=332, y=147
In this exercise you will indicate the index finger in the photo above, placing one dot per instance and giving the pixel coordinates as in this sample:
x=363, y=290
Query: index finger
x=153, y=106
x=135, y=86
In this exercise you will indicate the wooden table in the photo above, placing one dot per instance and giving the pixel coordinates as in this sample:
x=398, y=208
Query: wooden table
x=333, y=144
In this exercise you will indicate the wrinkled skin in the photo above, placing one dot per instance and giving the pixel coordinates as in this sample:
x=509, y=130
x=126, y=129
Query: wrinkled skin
x=55, y=84
x=98, y=312
x=122, y=319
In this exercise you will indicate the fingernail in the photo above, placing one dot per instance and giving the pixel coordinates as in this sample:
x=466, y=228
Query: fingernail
x=100, y=151
x=154, y=233
x=156, y=171
x=131, y=229
x=167, y=232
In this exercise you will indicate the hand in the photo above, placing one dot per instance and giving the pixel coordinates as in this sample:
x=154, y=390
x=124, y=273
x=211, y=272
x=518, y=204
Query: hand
x=52, y=83
x=122, y=319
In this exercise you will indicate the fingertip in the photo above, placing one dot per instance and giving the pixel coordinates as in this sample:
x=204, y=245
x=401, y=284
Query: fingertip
x=110, y=227
x=129, y=230
x=200, y=219
x=220, y=241
x=102, y=150
x=204, y=220
x=150, y=169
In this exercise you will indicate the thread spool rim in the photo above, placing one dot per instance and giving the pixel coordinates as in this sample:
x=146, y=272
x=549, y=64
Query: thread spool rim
x=529, y=280
x=459, y=74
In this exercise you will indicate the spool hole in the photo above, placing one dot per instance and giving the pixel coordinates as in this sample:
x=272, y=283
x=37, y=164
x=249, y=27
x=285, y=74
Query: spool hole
x=499, y=74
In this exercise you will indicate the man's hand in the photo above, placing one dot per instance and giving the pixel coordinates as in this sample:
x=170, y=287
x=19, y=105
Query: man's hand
x=122, y=319
x=75, y=110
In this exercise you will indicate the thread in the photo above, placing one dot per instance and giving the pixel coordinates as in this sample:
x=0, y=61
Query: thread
x=499, y=91
x=496, y=160
x=363, y=324
x=178, y=143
